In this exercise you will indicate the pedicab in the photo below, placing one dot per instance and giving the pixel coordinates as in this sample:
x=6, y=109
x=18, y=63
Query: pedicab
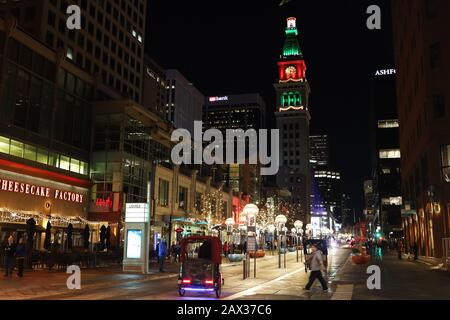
x=200, y=259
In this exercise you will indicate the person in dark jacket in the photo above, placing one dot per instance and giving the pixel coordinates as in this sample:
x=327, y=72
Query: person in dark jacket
x=162, y=254
x=20, y=256
x=9, y=252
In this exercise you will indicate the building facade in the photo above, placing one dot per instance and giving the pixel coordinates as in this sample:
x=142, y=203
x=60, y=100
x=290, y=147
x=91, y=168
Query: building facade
x=386, y=154
x=184, y=101
x=319, y=151
x=109, y=45
x=422, y=51
x=292, y=117
x=244, y=111
x=154, y=88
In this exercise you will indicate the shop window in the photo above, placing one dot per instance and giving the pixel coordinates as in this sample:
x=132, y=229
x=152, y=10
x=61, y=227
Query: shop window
x=53, y=160
x=163, y=193
x=4, y=145
x=64, y=163
x=75, y=165
x=182, y=198
x=30, y=153
x=445, y=153
x=42, y=156
x=16, y=149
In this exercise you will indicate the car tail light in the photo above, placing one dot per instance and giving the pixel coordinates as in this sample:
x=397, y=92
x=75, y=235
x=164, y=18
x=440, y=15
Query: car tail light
x=186, y=281
x=209, y=282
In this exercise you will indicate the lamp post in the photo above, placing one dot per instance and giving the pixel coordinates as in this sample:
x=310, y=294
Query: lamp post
x=271, y=229
x=298, y=225
x=229, y=223
x=251, y=211
x=280, y=222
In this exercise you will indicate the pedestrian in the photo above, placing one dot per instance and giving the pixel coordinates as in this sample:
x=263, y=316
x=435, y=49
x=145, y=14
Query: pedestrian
x=400, y=249
x=162, y=253
x=157, y=249
x=226, y=248
x=20, y=256
x=316, y=264
x=416, y=251
x=9, y=251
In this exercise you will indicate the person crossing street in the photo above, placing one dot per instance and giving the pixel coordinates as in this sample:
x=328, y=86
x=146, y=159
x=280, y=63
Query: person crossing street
x=315, y=263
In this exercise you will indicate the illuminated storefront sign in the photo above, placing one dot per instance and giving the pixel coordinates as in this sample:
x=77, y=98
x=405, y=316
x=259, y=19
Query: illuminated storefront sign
x=218, y=99
x=39, y=191
x=100, y=202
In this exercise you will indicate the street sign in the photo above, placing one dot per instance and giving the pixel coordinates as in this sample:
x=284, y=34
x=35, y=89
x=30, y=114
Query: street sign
x=251, y=244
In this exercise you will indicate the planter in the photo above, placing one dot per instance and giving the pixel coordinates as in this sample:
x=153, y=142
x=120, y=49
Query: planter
x=292, y=249
x=235, y=257
x=283, y=250
x=259, y=254
x=360, y=259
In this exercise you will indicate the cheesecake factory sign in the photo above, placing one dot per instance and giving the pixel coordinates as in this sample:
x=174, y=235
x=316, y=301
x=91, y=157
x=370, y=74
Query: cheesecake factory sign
x=40, y=191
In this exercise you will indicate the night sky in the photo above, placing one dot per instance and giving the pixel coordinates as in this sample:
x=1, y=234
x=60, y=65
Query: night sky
x=226, y=47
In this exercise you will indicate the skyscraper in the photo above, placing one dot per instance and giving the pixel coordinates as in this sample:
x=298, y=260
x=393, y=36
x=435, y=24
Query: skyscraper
x=319, y=151
x=242, y=111
x=292, y=117
x=184, y=101
x=110, y=43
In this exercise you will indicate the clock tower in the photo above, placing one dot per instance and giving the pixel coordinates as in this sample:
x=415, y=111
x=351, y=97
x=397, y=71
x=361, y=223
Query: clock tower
x=292, y=116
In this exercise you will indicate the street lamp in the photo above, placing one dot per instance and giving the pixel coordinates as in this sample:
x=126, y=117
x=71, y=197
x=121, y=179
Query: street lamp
x=298, y=226
x=229, y=223
x=251, y=211
x=280, y=221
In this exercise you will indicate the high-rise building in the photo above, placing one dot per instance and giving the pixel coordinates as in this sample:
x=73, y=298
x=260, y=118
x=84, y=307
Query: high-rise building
x=292, y=117
x=154, y=88
x=422, y=51
x=319, y=151
x=386, y=155
x=242, y=111
x=184, y=102
x=109, y=45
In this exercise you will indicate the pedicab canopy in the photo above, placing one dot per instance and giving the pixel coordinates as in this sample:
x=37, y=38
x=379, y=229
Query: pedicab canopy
x=211, y=248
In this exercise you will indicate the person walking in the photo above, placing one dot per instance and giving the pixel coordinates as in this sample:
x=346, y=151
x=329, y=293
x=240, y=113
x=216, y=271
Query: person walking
x=400, y=249
x=162, y=253
x=9, y=252
x=416, y=251
x=20, y=256
x=316, y=264
x=226, y=248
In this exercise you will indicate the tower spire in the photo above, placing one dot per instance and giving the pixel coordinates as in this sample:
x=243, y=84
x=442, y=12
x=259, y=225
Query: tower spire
x=291, y=46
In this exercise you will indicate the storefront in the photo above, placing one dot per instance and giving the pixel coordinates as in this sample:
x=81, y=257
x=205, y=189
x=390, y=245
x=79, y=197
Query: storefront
x=45, y=196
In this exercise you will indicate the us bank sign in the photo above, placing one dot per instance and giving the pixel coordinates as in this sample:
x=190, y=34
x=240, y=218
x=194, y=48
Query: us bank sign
x=40, y=191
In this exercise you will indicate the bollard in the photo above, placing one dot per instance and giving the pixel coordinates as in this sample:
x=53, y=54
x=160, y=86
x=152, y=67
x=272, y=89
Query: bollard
x=285, y=259
x=244, y=263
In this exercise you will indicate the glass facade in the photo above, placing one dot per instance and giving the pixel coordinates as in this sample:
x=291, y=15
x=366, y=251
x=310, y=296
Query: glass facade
x=445, y=154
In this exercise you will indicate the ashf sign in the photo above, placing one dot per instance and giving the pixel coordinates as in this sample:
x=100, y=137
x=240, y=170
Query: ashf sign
x=385, y=72
x=137, y=238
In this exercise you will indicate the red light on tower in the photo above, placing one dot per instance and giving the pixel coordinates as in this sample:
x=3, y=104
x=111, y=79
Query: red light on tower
x=292, y=23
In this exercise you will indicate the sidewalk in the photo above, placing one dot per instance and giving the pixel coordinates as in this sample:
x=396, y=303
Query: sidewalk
x=400, y=280
x=42, y=283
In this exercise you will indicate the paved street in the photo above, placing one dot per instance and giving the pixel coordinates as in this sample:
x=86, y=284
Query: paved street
x=400, y=280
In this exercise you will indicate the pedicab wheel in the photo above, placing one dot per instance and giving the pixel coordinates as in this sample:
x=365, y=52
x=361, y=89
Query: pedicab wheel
x=218, y=292
x=181, y=292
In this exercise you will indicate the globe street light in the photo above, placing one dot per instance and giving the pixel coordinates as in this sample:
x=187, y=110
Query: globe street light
x=299, y=227
x=229, y=223
x=251, y=211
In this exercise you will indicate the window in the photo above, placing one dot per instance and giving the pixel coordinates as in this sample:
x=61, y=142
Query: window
x=182, y=198
x=163, y=193
x=438, y=106
x=64, y=163
x=388, y=124
x=4, y=145
x=16, y=149
x=445, y=154
x=435, y=55
x=390, y=154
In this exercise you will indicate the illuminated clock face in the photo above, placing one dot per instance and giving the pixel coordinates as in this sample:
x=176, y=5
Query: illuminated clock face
x=291, y=72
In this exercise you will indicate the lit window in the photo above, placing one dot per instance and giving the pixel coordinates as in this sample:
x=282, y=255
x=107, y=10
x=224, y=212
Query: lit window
x=64, y=163
x=388, y=124
x=75, y=165
x=445, y=152
x=16, y=149
x=30, y=153
x=69, y=54
x=390, y=154
x=392, y=201
x=42, y=156
x=4, y=145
